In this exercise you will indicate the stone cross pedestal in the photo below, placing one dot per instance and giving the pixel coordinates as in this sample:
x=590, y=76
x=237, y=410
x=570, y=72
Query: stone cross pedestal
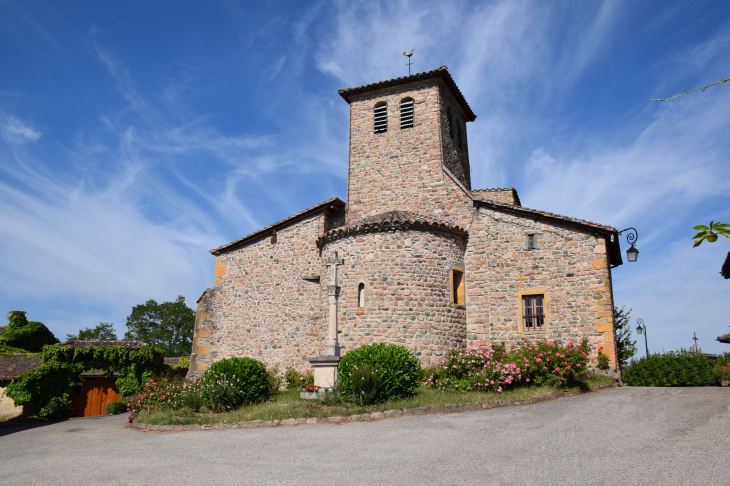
x=325, y=367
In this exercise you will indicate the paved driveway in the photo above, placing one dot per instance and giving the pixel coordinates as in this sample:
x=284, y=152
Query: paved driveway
x=617, y=436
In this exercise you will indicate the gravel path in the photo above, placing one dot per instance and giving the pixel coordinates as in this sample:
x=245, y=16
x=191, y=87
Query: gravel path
x=617, y=436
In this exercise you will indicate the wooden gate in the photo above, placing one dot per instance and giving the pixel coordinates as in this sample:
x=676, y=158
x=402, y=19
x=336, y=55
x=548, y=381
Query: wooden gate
x=94, y=396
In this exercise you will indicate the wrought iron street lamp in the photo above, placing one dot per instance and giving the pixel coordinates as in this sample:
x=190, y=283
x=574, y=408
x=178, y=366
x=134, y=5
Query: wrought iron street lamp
x=632, y=253
x=642, y=330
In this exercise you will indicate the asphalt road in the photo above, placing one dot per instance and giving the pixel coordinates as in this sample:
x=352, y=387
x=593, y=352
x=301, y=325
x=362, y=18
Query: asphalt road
x=617, y=436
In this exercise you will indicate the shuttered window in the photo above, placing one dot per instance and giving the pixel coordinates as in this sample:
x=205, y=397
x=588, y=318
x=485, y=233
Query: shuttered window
x=459, y=136
x=406, y=113
x=533, y=313
x=451, y=123
x=381, y=118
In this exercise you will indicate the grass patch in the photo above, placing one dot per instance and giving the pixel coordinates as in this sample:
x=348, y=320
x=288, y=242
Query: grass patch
x=288, y=404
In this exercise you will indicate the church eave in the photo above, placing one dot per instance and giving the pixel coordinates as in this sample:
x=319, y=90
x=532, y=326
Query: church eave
x=441, y=73
x=334, y=202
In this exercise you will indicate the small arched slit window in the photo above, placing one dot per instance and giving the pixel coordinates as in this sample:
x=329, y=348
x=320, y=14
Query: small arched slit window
x=457, y=286
x=380, y=117
x=361, y=295
x=460, y=136
x=273, y=238
x=451, y=123
x=406, y=113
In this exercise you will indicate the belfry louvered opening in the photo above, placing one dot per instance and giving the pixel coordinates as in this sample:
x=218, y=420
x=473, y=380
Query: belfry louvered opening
x=451, y=123
x=406, y=112
x=459, y=136
x=381, y=117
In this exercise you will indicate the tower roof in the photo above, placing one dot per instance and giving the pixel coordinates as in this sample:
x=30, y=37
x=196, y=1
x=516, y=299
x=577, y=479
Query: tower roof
x=441, y=73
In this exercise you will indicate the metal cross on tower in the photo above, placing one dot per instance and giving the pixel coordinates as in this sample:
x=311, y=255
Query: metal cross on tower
x=333, y=293
x=695, y=340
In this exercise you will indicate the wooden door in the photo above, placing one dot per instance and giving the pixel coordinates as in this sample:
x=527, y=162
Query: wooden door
x=95, y=394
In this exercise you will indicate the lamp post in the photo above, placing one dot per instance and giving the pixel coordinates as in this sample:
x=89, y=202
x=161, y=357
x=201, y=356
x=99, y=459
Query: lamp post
x=642, y=330
x=632, y=253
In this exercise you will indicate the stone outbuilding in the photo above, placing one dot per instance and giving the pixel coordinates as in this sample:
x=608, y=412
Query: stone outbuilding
x=430, y=263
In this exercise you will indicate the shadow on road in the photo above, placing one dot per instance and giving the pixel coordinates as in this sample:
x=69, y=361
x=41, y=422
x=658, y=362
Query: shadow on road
x=19, y=424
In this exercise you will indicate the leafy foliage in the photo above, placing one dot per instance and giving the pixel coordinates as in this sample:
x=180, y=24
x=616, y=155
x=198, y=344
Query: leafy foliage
x=27, y=336
x=365, y=384
x=721, y=371
x=710, y=233
x=231, y=383
x=625, y=347
x=670, y=369
x=168, y=325
x=51, y=384
x=603, y=361
x=103, y=332
x=397, y=368
x=499, y=368
x=275, y=380
x=166, y=393
x=295, y=380
x=116, y=408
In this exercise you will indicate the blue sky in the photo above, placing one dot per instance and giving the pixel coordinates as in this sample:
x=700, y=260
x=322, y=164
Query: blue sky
x=136, y=136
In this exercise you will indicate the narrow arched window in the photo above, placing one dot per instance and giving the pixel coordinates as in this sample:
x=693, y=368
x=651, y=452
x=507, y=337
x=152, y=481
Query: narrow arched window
x=460, y=136
x=406, y=112
x=380, y=114
x=361, y=295
x=451, y=123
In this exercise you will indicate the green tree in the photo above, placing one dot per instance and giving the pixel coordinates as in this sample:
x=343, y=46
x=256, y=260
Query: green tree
x=168, y=325
x=711, y=232
x=24, y=334
x=625, y=347
x=103, y=332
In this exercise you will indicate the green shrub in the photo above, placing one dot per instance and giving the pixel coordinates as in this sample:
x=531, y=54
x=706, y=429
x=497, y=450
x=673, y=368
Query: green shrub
x=292, y=378
x=28, y=335
x=397, y=369
x=275, y=380
x=721, y=371
x=365, y=384
x=116, y=408
x=231, y=383
x=674, y=368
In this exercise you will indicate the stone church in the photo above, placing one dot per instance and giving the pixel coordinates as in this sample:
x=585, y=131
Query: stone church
x=429, y=262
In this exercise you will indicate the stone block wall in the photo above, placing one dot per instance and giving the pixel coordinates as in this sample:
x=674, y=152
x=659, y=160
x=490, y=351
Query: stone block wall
x=402, y=168
x=261, y=305
x=570, y=266
x=407, y=291
x=507, y=195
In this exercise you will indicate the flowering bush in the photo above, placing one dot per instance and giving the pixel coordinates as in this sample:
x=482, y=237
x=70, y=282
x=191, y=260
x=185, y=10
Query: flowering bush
x=603, y=361
x=499, y=368
x=163, y=393
x=296, y=380
x=312, y=388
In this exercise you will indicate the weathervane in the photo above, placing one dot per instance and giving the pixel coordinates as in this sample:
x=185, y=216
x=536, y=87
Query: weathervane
x=408, y=55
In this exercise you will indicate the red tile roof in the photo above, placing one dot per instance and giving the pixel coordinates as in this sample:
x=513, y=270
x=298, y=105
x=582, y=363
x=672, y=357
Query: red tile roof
x=12, y=365
x=390, y=220
x=335, y=201
x=439, y=73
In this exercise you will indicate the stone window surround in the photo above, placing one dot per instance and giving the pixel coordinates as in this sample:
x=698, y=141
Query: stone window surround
x=359, y=307
x=546, y=304
x=452, y=289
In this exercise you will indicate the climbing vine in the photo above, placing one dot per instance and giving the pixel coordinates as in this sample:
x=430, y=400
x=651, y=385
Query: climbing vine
x=50, y=386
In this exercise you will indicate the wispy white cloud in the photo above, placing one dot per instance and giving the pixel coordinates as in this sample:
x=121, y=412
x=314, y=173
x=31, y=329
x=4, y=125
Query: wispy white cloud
x=15, y=132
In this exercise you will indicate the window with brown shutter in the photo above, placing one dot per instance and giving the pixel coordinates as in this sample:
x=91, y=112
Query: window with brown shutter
x=533, y=312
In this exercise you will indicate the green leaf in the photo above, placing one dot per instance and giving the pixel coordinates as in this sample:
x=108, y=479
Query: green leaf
x=697, y=243
x=701, y=234
x=701, y=227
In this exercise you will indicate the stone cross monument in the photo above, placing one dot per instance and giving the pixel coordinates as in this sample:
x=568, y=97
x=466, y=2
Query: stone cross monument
x=325, y=367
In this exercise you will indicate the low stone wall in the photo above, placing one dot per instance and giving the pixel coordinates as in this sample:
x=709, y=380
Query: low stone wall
x=368, y=417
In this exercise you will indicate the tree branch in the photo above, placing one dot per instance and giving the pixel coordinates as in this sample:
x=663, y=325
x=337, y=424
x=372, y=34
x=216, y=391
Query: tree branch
x=722, y=80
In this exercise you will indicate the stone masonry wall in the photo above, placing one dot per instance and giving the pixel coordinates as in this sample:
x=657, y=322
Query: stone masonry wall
x=401, y=168
x=407, y=291
x=507, y=195
x=569, y=265
x=261, y=306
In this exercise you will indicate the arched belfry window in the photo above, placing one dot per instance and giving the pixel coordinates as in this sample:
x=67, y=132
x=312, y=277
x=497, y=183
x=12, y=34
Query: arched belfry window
x=406, y=112
x=380, y=114
x=451, y=123
x=361, y=295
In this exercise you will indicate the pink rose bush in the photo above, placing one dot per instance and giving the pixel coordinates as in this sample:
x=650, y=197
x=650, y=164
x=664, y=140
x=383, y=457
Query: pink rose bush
x=500, y=368
x=163, y=393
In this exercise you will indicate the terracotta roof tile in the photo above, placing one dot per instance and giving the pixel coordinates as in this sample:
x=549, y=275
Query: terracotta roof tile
x=391, y=220
x=12, y=365
x=725, y=338
x=439, y=73
x=256, y=234
x=545, y=214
